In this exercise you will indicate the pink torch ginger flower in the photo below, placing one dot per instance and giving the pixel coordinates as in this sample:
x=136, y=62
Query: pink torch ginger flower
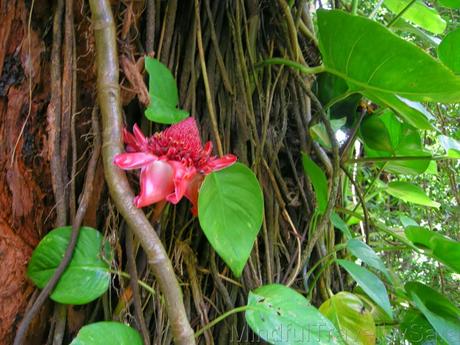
x=173, y=163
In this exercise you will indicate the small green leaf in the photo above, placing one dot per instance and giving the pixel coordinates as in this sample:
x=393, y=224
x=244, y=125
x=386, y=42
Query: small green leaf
x=439, y=311
x=371, y=58
x=280, y=315
x=410, y=193
x=450, y=3
x=318, y=180
x=163, y=94
x=440, y=247
x=319, y=133
x=376, y=134
x=86, y=277
x=417, y=330
x=451, y=146
x=367, y=255
x=347, y=313
x=230, y=211
x=370, y=283
x=419, y=14
x=449, y=50
x=407, y=221
x=107, y=333
x=338, y=222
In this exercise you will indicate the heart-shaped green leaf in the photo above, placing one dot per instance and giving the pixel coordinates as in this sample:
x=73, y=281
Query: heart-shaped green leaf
x=385, y=136
x=369, y=57
x=439, y=311
x=419, y=14
x=86, y=277
x=347, y=313
x=367, y=255
x=410, y=193
x=370, y=283
x=280, y=315
x=449, y=50
x=163, y=94
x=440, y=247
x=318, y=180
x=107, y=333
x=230, y=210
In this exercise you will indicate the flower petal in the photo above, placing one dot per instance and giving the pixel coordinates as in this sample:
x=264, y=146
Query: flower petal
x=182, y=177
x=215, y=164
x=192, y=192
x=156, y=183
x=135, y=142
x=134, y=160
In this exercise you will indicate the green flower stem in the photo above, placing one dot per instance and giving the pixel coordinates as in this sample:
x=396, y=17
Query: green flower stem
x=220, y=318
x=108, y=91
x=295, y=65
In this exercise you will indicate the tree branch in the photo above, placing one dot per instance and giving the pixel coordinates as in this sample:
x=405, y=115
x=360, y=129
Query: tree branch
x=109, y=99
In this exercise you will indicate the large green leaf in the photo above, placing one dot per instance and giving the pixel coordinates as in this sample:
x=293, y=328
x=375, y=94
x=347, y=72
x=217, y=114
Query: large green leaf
x=417, y=330
x=163, y=94
x=451, y=146
x=419, y=14
x=88, y=274
x=280, y=315
x=449, y=50
x=230, y=210
x=367, y=255
x=107, y=333
x=440, y=247
x=369, y=57
x=410, y=193
x=450, y=3
x=347, y=313
x=318, y=180
x=439, y=311
x=370, y=283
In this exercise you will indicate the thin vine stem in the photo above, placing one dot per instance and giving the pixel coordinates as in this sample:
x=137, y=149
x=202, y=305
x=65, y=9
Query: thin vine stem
x=221, y=318
x=295, y=65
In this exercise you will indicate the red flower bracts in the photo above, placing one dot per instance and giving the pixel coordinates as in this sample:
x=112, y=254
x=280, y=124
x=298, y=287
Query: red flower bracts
x=173, y=163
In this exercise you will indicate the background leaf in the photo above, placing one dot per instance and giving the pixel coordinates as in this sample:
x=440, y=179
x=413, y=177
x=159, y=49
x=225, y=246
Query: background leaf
x=347, y=313
x=107, y=333
x=369, y=57
x=370, y=283
x=163, y=94
x=367, y=255
x=88, y=275
x=230, y=210
x=450, y=3
x=417, y=330
x=449, y=50
x=451, y=146
x=277, y=313
x=439, y=311
x=442, y=248
x=419, y=14
x=410, y=193
x=318, y=180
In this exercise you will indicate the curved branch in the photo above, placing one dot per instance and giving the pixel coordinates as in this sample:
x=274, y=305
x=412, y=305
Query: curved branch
x=109, y=99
